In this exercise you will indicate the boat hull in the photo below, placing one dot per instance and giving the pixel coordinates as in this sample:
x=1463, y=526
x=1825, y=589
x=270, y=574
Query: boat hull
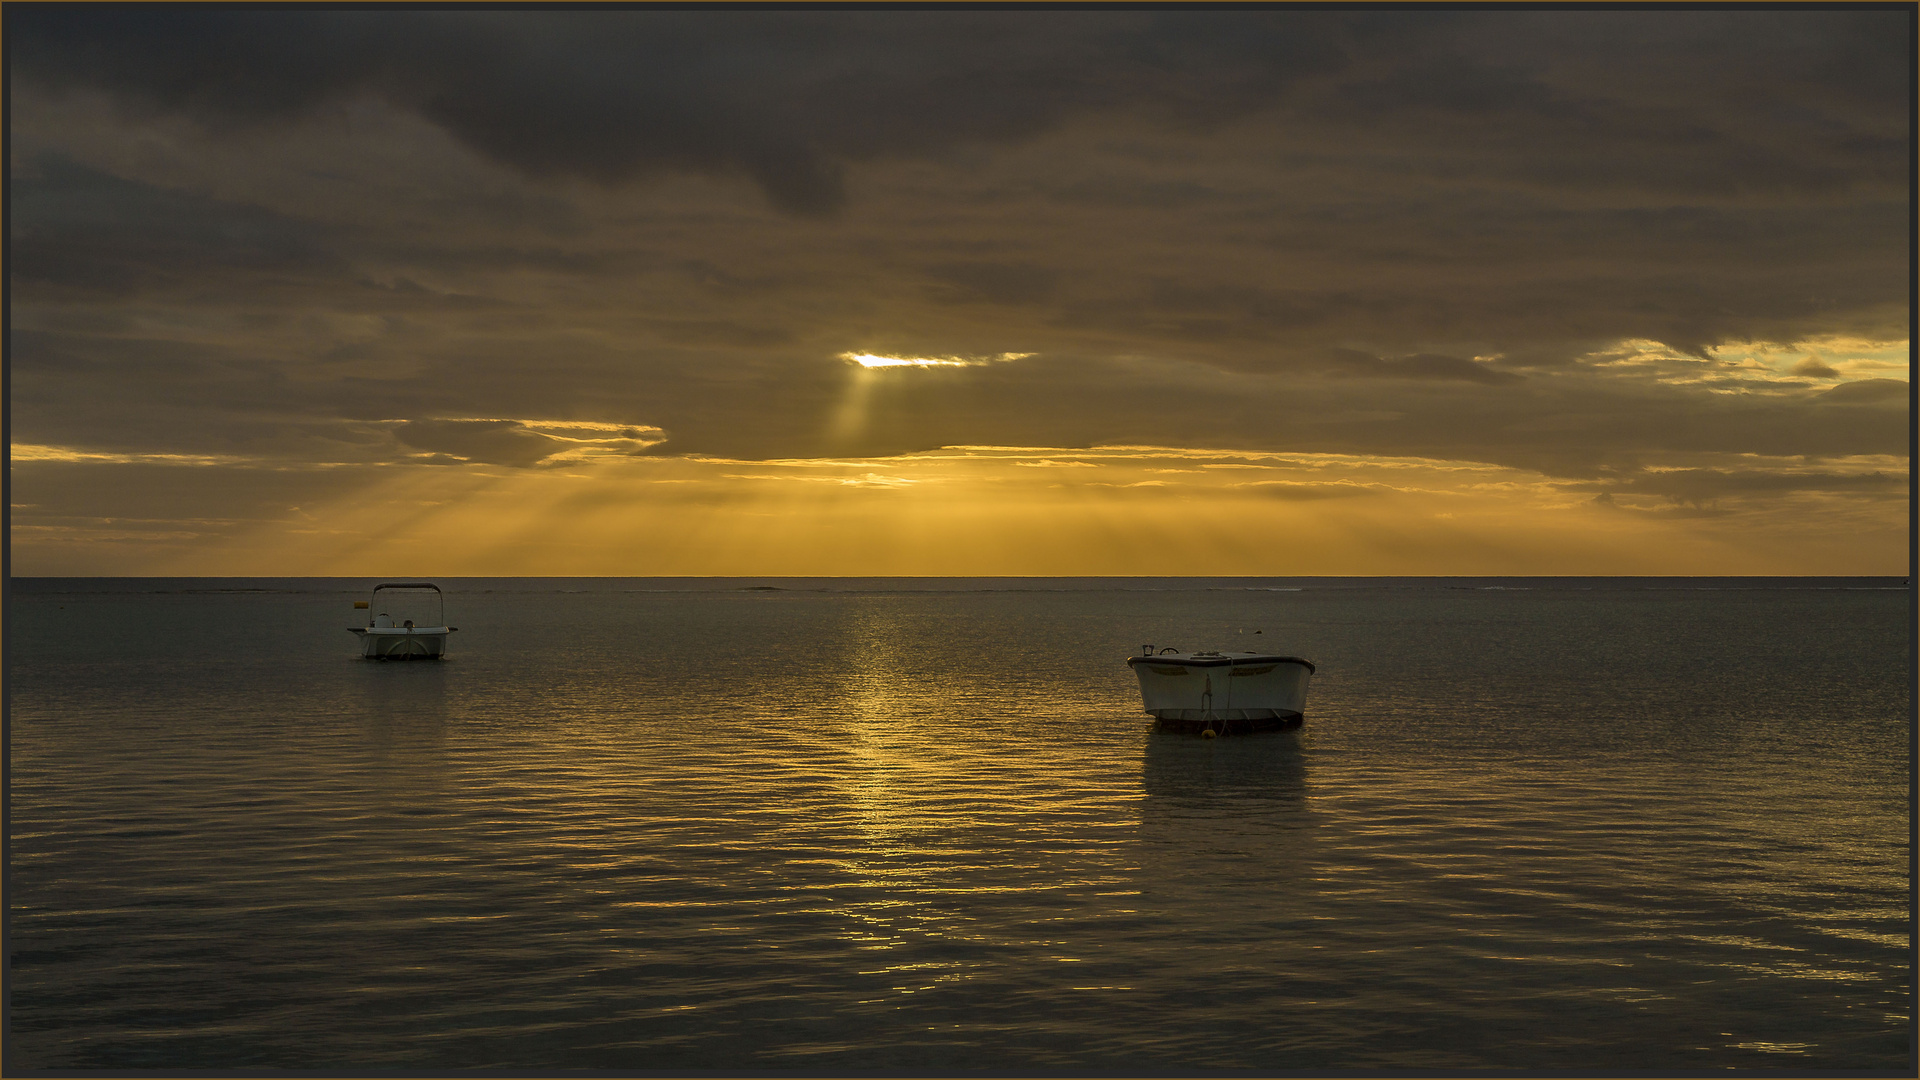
x=1234, y=691
x=401, y=643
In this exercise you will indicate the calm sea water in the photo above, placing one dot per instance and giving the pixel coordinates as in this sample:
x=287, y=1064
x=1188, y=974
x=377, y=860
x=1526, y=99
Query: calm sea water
x=922, y=825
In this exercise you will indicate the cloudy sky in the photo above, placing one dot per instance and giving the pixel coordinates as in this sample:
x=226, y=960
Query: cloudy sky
x=959, y=292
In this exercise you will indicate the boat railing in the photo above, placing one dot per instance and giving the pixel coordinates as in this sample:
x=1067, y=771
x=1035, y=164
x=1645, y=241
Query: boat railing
x=372, y=603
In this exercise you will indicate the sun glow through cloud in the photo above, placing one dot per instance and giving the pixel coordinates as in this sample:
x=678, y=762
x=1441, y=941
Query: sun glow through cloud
x=874, y=360
x=1001, y=510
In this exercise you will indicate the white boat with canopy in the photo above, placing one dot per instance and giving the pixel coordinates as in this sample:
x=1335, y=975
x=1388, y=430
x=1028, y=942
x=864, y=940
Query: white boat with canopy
x=1217, y=692
x=418, y=632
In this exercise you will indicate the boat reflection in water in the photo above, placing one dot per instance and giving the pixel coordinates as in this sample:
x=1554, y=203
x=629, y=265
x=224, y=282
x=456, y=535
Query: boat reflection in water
x=1265, y=770
x=1229, y=848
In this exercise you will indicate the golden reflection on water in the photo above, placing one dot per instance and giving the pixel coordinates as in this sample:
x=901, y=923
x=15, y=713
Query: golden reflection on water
x=871, y=708
x=757, y=828
x=879, y=700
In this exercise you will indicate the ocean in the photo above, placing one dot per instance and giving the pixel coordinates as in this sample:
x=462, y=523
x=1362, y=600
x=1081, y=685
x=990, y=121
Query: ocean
x=922, y=825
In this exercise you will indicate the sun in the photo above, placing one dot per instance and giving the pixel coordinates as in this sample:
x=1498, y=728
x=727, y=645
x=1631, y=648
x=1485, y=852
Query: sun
x=874, y=360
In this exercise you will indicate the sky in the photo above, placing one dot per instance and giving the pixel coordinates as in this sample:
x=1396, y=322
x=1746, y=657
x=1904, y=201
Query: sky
x=991, y=291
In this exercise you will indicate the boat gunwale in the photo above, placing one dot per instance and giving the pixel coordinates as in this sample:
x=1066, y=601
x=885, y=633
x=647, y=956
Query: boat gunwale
x=1191, y=660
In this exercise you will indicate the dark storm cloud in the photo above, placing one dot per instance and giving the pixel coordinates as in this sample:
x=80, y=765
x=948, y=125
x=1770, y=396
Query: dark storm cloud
x=1535, y=281
x=791, y=98
x=131, y=394
x=1549, y=136
x=1703, y=105
x=725, y=332
x=1339, y=211
x=79, y=229
x=786, y=98
x=1418, y=366
x=994, y=283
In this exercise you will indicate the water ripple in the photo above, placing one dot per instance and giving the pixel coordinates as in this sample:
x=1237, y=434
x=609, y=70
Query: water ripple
x=881, y=831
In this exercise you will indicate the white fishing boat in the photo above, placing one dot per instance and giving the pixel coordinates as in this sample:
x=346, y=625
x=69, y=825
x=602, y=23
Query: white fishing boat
x=418, y=632
x=1217, y=692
